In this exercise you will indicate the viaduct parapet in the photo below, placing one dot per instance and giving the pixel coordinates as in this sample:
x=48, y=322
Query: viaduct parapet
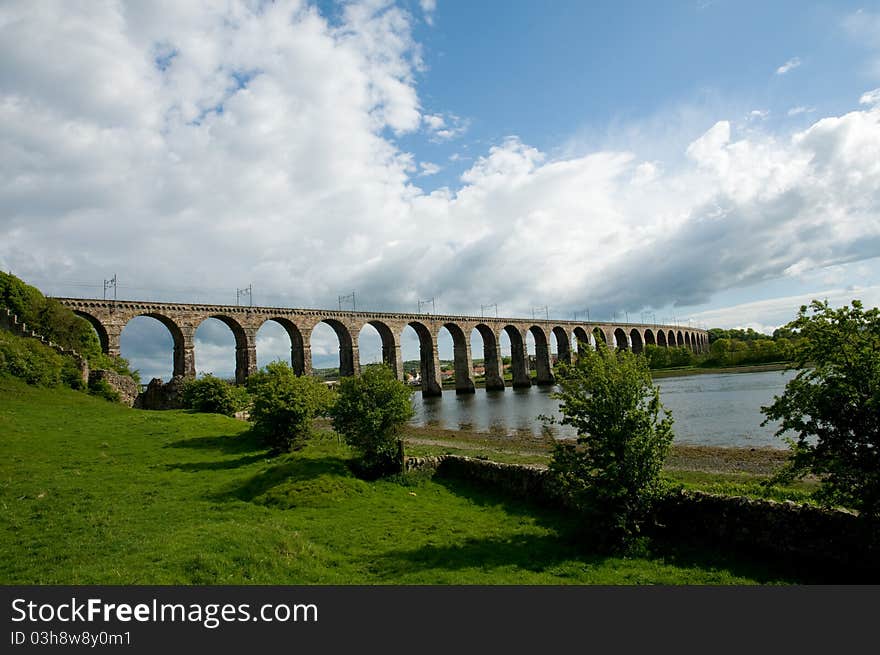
x=109, y=317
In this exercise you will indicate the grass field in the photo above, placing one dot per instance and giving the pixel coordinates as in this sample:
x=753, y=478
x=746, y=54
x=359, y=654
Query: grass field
x=95, y=493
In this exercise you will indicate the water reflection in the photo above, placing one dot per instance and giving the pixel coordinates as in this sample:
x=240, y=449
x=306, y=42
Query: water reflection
x=718, y=410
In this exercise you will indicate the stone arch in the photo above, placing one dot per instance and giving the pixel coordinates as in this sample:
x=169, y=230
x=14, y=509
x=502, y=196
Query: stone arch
x=563, y=344
x=103, y=337
x=661, y=338
x=183, y=359
x=620, y=341
x=491, y=358
x=599, y=337
x=461, y=348
x=636, y=340
x=582, y=338
x=518, y=357
x=245, y=346
x=429, y=363
x=687, y=340
x=298, y=360
x=348, y=361
x=543, y=370
x=679, y=339
x=670, y=339
x=390, y=347
x=649, y=338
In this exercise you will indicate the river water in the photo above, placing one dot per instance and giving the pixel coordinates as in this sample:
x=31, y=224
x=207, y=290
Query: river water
x=721, y=409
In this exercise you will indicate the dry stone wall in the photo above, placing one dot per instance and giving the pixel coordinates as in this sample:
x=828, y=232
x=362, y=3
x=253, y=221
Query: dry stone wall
x=830, y=538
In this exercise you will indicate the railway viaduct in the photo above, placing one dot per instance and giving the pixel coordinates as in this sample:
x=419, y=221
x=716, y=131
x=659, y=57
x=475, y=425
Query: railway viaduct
x=109, y=317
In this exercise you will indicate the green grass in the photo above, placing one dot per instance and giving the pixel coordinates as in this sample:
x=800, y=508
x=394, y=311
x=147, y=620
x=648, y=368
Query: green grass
x=95, y=493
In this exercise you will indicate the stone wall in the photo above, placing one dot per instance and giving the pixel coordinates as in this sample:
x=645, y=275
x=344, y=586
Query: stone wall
x=10, y=323
x=124, y=385
x=834, y=539
x=159, y=395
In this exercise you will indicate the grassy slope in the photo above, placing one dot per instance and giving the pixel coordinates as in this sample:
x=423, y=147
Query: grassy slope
x=96, y=493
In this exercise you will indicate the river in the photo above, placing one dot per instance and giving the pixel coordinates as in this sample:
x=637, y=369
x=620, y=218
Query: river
x=721, y=409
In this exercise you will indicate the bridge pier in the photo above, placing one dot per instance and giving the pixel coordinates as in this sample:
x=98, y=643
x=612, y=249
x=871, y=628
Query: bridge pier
x=542, y=361
x=518, y=363
x=464, y=366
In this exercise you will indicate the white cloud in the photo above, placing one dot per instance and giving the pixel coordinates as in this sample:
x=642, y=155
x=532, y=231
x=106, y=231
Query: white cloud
x=428, y=8
x=260, y=152
x=428, y=168
x=870, y=97
x=796, y=111
x=444, y=127
x=790, y=65
x=759, y=114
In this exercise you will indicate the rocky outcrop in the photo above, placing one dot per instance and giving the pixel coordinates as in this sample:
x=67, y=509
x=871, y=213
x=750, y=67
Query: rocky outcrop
x=159, y=395
x=124, y=385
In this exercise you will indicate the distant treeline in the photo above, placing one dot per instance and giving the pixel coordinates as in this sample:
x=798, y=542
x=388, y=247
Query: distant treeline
x=729, y=348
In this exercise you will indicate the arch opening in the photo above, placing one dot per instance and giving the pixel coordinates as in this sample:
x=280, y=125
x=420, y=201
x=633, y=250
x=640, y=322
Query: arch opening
x=661, y=339
x=146, y=340
x=636, y=340
x=379, y=345
x=428, y=375
x=332, y=349
x=620, y=341
x=599, y=339
x=274, y=337
x=518, y=363
x=491, y=362
x=543, y=370
x=462, y=364
x=100, y=330
x=563, y=345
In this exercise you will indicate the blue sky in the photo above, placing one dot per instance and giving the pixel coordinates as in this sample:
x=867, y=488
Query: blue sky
x=711, y=162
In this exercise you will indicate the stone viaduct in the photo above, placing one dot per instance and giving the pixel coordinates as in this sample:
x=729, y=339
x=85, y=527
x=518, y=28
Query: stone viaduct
x=109, y=317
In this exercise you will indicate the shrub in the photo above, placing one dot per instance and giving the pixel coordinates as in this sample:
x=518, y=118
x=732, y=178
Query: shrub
x=31, y=361
x=369, y=412
x=284, y=405
x=833, y=405
x=102, y=389
x=612, y=473
x=212, y=395
x=57, y=323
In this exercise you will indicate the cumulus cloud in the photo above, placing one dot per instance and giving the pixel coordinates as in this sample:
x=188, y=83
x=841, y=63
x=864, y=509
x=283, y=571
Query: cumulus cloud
x=444, y=127
x=201, y=148
x=788, y=66
x=870, y=97
x=428, y=168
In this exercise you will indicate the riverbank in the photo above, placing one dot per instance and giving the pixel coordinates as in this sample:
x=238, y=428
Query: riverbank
x=523, y=448
x=692, y=370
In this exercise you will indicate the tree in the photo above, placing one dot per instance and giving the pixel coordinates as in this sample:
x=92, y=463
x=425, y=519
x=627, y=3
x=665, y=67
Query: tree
x=214, y=396
x=369, y=412
x=833, y=404
x=284, y=405
x=624, y=436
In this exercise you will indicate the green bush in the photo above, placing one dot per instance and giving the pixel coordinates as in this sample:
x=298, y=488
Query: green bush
x=369, y=412
x=284, y=405
x=833, y=405
x=612, y=473
x=212, y=395
x=31, y=361
x=50, y=319
x=103, y=390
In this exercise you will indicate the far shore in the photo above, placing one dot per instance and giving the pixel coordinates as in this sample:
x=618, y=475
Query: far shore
x=662, y=373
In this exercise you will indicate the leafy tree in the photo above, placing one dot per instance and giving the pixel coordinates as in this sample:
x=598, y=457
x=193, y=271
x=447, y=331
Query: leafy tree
x=833, y=404
x=369, y=412
x=285, y=404
x=624, y=436
x=212, y=395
